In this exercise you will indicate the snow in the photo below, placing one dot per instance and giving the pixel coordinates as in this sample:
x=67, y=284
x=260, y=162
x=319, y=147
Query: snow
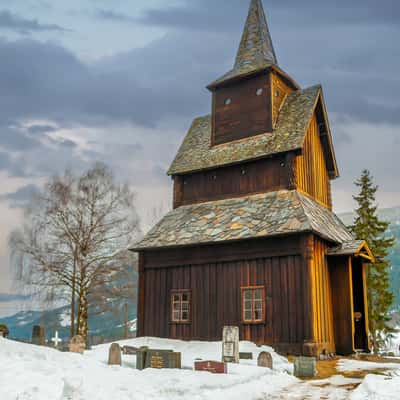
x=37, y=373
x=65, y=319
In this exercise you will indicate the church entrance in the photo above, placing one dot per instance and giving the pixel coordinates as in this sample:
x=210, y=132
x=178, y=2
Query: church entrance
x=359, y=307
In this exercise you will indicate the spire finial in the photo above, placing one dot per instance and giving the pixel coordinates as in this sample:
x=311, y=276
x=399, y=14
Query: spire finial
x=256, y=45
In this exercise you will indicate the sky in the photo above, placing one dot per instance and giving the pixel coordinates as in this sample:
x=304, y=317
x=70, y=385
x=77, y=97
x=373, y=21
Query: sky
x=120, y=81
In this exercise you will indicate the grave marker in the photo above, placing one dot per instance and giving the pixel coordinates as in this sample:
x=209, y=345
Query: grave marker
x=230, y=344
x=215, y=367
x=38, y=335
x=265, y=360
x=56, y=340
x=114, y=355
x=159, y=359
x=77, y=344
x=305, y=367
x=246, y=356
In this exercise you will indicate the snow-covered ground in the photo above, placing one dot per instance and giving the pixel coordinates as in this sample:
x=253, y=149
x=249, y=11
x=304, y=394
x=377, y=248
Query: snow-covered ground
x=37, y=373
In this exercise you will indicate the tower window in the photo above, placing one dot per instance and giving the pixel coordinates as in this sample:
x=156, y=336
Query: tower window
x=259, y=92
x=228, y=102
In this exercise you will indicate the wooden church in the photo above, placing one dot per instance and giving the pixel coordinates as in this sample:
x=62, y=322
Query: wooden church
x=252, y=240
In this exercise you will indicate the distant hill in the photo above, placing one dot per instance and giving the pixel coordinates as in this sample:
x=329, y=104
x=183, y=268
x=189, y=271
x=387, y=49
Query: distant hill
x=103, y=325
x=391, y=215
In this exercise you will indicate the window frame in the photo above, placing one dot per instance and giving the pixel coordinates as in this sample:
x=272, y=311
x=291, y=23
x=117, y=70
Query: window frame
x=253, y=289
x=180, y=293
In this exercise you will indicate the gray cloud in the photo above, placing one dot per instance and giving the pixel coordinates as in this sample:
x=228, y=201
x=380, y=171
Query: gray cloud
x=114, y=16
x=11, y=21
x=21, y=197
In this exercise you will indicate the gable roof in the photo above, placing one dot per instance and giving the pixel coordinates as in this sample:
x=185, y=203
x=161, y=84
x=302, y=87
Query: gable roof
x=265, y=215
x=196, y=152
x=354, y=247
x=256, y=50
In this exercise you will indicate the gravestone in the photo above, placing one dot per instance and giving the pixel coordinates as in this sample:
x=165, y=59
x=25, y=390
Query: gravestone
x=246, y=356
x=56, y=340
x=160, y=359
x=141, y=358
x=129, y=350
x=114, y=355
x=230, y=344
x=38, y=335
x=77, y=344
x=265, y=360
x=215, y=367
x=4, y=332
x=305, y=367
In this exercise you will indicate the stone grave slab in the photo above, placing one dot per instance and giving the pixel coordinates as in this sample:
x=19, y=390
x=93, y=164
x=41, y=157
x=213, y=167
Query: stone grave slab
x=245, y=356
x=305, y=367
x=230, y=344
x=141, y=358
x=215, y=367
x=39, y=335
x=265, y=360
x=77, y=344
x=114, y=355
x=160, y=359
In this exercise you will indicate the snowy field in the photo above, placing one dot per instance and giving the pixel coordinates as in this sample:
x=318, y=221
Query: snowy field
x=36, y=373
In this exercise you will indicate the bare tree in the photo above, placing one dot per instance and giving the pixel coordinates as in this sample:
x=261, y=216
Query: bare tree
x=73, y=240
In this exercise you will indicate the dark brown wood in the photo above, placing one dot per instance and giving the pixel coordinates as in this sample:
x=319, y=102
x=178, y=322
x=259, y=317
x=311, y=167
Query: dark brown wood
x=342, y=301
x=259, y=176
x=247, y=114
x=141, y=296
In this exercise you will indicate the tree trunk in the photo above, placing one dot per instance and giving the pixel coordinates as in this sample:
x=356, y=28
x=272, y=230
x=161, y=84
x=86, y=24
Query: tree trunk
x=72, y=329
x=82, y=328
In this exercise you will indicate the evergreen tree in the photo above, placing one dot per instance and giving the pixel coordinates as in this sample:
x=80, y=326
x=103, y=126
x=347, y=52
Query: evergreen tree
x=367, y=226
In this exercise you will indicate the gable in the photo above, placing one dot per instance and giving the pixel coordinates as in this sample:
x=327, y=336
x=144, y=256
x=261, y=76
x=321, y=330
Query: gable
x=197, y=153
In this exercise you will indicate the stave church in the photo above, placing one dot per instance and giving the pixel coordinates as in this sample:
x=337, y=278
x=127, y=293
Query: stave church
x=252, y=240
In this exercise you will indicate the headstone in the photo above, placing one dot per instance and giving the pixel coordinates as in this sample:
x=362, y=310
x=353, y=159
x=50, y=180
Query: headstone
x=160, y=359
x=230, y=344
x=246, y=356
x=114, y=355
x=38, y=335
x=4, y=332
x=56, y=340
x=141, y=358
x=305, y=367
x=215, y=367
x=77, y=344
x=265, y=360
x=129, y=350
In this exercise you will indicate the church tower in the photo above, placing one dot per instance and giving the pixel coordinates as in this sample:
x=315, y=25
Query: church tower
x=252, y=240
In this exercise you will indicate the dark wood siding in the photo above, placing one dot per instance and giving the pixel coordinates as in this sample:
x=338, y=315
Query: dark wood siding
x=311, y=172
x=238, y=180
x=215, y=280
x=247, y=114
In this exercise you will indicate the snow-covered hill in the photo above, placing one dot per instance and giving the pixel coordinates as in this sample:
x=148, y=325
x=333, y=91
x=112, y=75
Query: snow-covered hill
x=38, y=373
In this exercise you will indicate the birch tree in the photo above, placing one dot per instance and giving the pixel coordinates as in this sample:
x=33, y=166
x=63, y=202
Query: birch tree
x=74, y=239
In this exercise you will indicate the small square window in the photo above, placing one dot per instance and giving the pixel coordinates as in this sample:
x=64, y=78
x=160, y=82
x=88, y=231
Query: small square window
x=253, y=304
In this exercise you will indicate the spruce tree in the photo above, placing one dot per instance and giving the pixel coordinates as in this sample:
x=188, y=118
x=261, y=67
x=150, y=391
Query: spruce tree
x=367, y=226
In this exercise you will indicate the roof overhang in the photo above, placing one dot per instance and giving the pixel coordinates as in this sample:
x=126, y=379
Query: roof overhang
x=356, y=248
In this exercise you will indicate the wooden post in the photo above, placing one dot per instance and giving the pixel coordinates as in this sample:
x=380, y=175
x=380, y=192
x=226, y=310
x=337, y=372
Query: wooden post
x=141, y=297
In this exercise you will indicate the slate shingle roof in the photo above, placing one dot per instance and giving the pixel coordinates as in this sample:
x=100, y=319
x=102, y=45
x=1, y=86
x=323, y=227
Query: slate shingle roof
x=197, y=154
x=347, y=248
x=256, y=50
x=264, y=215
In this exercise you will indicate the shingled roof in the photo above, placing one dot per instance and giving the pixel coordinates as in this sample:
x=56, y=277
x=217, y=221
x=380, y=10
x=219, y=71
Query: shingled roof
x=264, y=215
x=256, y=51
x=196, y=152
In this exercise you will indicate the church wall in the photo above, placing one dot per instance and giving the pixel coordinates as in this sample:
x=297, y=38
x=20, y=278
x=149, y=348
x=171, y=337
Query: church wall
x=238, y=180
x=215, y=280
x=311, y=172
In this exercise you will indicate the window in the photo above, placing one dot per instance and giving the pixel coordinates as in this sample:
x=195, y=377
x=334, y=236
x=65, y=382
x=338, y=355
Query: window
x=180, y=306
x=253, y=304
x=228, y=102
x=259, y=92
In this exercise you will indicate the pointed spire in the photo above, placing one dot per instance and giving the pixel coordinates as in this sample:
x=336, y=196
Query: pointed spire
x=256, y=50
x=256, y=45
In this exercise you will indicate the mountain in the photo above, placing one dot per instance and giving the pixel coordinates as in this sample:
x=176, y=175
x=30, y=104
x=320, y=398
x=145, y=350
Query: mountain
x=107, y=325
x=391, y=215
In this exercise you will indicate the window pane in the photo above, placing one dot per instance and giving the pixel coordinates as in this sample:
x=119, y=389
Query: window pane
x=185, y=296
x=177, y=297
x=247, y=294
x=258, y=294
x=247, y=315
x=176, y=316
x=247, y=304
x=257, y=315
x=185, y=316
x=176, y=306
x=185, y=306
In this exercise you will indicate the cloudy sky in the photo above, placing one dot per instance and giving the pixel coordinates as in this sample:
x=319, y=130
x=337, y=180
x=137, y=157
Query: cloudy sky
x=120, y=81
